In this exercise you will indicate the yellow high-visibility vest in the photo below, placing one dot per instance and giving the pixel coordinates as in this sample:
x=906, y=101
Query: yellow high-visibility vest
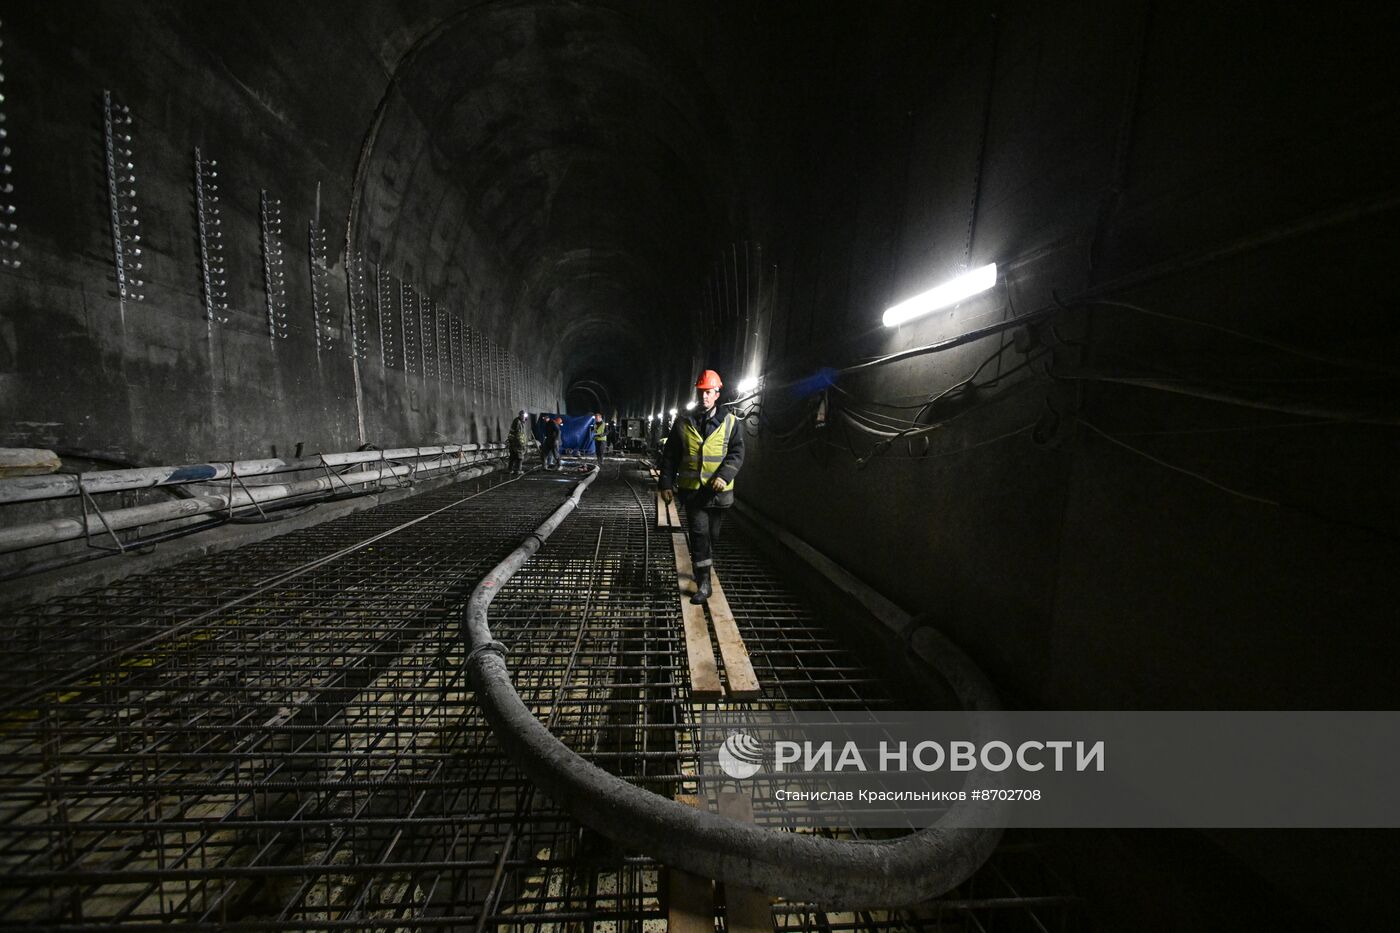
x=703, y=455
x=600, y=430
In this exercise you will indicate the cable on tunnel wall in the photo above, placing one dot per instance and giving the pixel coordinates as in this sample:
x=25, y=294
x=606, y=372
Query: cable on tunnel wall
x=834, y=873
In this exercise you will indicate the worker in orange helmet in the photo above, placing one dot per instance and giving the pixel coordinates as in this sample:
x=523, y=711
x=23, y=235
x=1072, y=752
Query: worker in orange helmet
x=703, y=454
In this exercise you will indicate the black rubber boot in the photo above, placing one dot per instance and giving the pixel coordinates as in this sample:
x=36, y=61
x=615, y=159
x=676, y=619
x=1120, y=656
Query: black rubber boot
x=702, y=585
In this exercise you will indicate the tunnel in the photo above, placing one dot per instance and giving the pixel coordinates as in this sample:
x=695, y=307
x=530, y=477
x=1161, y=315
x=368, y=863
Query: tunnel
x=292, y=642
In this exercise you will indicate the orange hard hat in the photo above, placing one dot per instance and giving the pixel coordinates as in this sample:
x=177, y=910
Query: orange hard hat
x=709, y=379
x=558, y=420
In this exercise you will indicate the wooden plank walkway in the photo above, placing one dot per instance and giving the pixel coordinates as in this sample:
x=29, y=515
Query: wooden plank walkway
x=699, y=651
x=738, y=669
x=666, y=514
x=690, y=899
x=746, y=910
x=700, y=657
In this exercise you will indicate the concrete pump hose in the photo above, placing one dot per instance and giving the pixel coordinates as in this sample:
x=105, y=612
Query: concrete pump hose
x=835, y=874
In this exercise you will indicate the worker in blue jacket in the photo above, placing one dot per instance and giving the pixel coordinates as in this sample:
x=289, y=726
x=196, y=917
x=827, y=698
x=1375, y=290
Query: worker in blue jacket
x=703, y=453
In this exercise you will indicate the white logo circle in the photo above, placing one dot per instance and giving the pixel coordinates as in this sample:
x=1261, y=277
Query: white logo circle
x=740, y=756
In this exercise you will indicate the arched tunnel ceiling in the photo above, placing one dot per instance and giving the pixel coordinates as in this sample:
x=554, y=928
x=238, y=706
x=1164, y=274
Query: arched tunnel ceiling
x=596, y=348
x=568, y=180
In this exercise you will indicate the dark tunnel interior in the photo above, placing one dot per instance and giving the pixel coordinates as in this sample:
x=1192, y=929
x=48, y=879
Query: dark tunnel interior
x=1152, y=468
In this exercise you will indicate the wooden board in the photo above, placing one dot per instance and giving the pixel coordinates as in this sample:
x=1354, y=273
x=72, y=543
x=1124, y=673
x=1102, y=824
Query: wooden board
x=666, y=514
x=690, y=901
x=738, y=669
x=746, y=910
x=699, y=652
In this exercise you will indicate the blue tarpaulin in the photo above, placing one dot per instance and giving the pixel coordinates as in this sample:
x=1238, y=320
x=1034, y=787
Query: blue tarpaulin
x=576, y=433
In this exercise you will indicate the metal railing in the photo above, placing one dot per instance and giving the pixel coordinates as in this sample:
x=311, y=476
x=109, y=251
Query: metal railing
x=217, y=488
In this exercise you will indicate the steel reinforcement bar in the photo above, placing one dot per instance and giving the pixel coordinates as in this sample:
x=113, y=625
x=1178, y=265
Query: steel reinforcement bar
x=296, y=745
x=835, y=873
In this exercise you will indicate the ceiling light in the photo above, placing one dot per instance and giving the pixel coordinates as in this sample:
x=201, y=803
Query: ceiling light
x=949, y=293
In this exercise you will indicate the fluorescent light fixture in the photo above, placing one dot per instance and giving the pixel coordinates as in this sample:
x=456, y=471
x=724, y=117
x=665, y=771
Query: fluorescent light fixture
x=949, y=293
x=689, y=405
x=748, y=384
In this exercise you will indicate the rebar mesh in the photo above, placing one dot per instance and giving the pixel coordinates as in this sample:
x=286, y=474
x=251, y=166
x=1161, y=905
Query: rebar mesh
x=280, y=737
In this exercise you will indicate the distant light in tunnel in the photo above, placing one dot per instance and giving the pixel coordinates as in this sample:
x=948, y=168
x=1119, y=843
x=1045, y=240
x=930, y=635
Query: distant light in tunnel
x=748, y=384
x=673, y=412
x=689, y=405
x=949, y=293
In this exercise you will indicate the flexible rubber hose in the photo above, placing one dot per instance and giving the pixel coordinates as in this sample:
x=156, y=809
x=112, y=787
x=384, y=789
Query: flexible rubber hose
x=836, y=874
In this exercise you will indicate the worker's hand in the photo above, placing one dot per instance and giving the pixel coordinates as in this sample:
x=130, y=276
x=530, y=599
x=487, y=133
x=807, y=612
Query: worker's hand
x=667, y=496
x=718, y=485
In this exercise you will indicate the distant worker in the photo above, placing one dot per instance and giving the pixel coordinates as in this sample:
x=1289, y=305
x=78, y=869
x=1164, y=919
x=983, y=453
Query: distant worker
x=549, y=447
x=703, y=454
x=653, y=438
x=517, y=440
x=600, y=437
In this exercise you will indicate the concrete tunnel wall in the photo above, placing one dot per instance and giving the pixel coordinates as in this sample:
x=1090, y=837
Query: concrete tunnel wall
x=1073, y=535
x=1211, y=164
x=285, y=101
x=1194, y=166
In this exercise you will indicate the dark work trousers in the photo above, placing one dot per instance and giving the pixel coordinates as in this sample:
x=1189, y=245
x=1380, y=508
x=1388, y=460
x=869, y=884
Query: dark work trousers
x=704, y=525
x=515, y=455
x=600, y=448
x=549, y=455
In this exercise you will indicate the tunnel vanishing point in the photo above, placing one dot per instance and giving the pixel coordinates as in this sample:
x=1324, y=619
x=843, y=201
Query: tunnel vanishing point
x=275, y=279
